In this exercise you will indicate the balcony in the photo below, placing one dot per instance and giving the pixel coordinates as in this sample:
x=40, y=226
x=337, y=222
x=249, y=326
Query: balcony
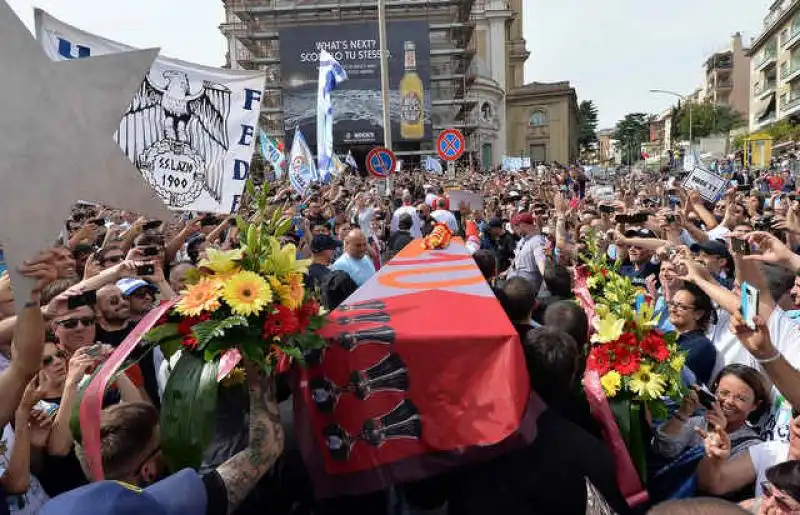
x=790, y=69
x=792, y=37
x=766, y=58
x=761, y=89
x=728, y=84
x=790, y=101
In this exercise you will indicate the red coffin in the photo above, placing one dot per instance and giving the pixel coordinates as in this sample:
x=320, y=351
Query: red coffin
x=421, y=360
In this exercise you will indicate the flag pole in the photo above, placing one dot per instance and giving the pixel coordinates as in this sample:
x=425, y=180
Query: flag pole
x=387, y=128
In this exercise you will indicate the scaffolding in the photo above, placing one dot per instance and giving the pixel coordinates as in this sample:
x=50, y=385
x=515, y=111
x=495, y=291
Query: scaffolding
x=255, y=26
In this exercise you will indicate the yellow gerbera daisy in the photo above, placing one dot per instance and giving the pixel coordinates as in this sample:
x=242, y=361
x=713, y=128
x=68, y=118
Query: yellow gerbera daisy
x=611, y=382
x=201, y=296
x=294, y=291
x=247, y=293
x=647, y=384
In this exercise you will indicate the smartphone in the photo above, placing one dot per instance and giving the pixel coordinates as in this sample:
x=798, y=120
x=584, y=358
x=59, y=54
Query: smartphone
x=100, y=222
x=705, y=396
x=749, y=304
x=209, y=220
x=740, y=246
x=670, y=219
x=607, y=209
x=153, y=224
x=145, y=270
x=743, y=187
x=150, y=251
x=88, y=298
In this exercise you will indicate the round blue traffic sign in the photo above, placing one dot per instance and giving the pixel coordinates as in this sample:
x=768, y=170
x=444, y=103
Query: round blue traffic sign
x=381, y=162
x=450, y=144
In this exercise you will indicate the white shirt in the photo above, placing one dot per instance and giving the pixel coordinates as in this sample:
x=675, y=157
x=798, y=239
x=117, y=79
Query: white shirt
x=35, y=497
x=718, y=232
x=785, y=336
x=416, y=230
x=430, y=198
x=365, y=217
x=764, y=456
x=446, y=217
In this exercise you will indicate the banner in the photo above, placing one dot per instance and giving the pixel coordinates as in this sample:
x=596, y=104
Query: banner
x=710, y=186
x=191, y=130
x=357, y=102
x=331, y=75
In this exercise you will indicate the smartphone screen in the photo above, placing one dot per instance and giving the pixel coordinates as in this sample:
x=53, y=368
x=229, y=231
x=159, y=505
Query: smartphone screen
x=749, y=304
x=740, y=246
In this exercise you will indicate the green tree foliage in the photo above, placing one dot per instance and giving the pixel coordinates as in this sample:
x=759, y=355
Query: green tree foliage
x=783, y=130
x=631, y=132
x=707, y=119
x=587, y=134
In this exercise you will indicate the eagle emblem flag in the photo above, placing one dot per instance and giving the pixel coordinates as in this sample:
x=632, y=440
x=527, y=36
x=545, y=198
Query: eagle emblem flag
x=191, y=130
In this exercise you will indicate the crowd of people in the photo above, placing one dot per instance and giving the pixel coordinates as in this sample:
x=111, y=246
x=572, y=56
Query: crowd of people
x=731, y=446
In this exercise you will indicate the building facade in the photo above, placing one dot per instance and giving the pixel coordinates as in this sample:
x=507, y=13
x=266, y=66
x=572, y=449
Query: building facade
x=775, y=67
x=728, y=77
x=543, y=122
x=477, y=54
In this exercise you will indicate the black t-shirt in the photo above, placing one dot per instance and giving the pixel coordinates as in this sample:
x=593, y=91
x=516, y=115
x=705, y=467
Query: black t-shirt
x=114, y=338
x=145, y=361
x=216, y=494
x=548, y=477
x=399, y=240
x=316, y=274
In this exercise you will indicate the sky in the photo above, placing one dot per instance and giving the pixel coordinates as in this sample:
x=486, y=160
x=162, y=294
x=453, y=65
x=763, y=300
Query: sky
x=615, y=51
x=612, y=51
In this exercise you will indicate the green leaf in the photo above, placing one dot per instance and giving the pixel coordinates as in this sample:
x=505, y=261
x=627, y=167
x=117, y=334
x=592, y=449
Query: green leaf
x=250, y=188
x=170, y=346
x=209, y=330
x=160, y=333
x=241, y=224
x=283, y=227
x=295, y=353
x=188, y=411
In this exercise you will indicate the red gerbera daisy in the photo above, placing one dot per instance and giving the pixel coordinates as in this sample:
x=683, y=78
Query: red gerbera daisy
x=626, y=360
x=599, y=359
x=305, y=312
x=655, y=347
x=281, y=322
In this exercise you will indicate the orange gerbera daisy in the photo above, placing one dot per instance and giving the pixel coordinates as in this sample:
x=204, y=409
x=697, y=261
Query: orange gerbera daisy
x=200, y=297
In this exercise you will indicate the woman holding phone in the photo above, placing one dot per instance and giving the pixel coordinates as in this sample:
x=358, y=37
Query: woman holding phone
x=739, y=397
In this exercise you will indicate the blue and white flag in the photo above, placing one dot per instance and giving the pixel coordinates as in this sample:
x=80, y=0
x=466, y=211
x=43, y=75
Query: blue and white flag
x=302, y=171
x=337, y=167
x=331, y=74
x=271, y=152
x=433, y=165
x=351, y=160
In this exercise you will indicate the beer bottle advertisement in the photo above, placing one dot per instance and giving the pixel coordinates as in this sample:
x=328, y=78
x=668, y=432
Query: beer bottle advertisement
x=412, y=94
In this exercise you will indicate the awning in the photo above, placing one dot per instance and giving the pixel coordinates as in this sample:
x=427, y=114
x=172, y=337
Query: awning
x=766, y=108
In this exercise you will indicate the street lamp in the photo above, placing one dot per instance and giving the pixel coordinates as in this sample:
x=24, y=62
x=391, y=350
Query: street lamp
x=685, y=99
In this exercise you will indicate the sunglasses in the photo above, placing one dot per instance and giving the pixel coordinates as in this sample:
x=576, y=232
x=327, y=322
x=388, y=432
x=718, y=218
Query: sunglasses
x=48, y=360
x=72, y=323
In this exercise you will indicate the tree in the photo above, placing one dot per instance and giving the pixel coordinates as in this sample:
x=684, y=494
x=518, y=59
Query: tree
x=587, y=132
x=631, y=132
x=707, y=119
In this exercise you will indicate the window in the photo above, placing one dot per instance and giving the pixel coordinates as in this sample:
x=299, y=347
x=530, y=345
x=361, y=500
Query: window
x=487, y=112
x=538, y=118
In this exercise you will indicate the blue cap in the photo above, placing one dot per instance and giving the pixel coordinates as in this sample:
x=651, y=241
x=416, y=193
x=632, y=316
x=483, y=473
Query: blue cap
x=128, y=285
x=182, y=493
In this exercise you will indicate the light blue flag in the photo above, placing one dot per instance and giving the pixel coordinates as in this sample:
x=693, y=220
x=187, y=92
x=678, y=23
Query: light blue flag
x=271, y=152
x=302, y=171
x=331, y=74
x=433, y=165
x=337, y=167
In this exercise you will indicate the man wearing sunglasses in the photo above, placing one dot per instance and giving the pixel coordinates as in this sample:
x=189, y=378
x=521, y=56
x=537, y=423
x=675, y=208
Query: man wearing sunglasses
x=75, y=328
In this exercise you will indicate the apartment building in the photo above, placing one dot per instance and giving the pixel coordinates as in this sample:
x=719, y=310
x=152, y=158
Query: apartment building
x=775, y=67
x=728, y=77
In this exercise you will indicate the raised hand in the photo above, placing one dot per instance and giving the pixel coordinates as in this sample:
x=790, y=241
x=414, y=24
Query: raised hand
x=772, y=249
x=717, y=443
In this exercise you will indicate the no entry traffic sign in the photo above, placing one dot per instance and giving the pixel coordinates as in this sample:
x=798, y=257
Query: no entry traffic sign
x=450, y=144
x=381, y=162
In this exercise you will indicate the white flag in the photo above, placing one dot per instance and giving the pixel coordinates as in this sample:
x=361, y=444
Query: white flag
x=302, y=171
x=191, y=130
x=331, y=74
x=351, y=160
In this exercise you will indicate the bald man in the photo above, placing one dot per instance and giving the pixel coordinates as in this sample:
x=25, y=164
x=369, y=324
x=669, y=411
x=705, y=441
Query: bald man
x=355, y=261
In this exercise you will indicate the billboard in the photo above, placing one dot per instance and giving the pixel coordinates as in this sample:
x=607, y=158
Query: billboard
x=358, y=118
